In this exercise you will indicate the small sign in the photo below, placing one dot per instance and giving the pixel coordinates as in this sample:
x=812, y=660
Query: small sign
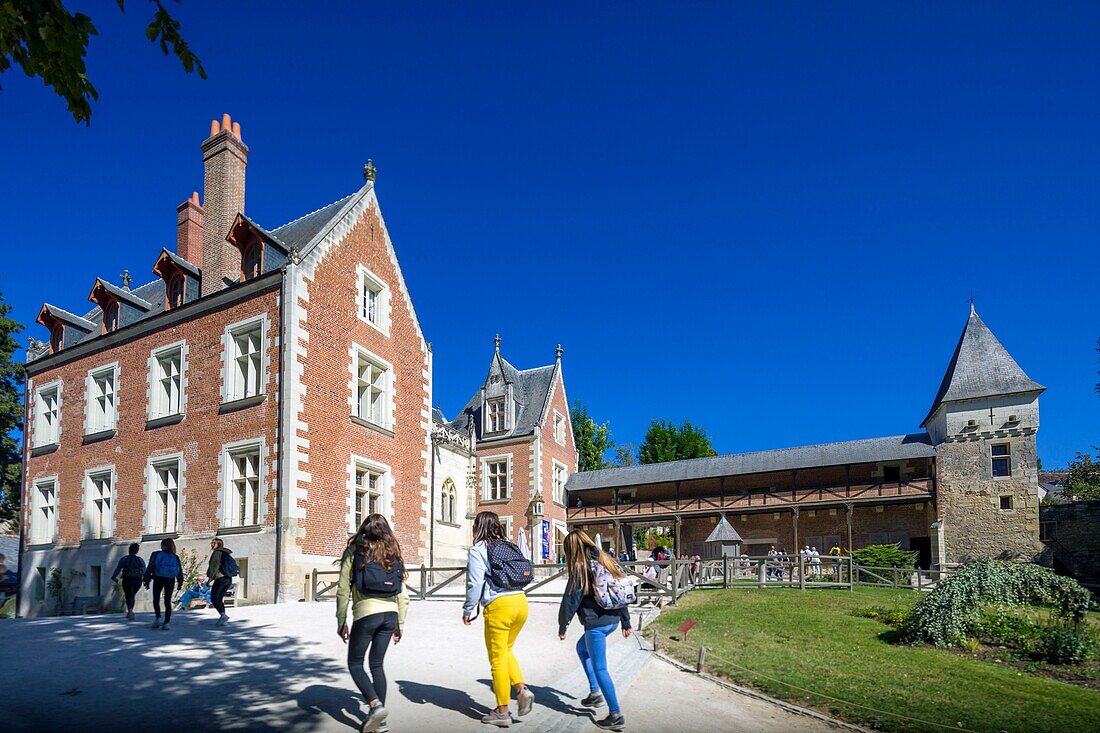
x=685, y=627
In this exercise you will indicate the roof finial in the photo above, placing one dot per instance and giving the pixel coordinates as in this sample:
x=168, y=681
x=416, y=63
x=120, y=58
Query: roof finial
x=126, y=279
x=496, y=343
x=369, y=171
x=558, y=352
x=972, y=311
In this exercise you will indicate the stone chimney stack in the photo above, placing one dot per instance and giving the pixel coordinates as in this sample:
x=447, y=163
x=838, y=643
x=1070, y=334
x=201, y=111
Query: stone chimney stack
x=189, y=230
x=224, y=158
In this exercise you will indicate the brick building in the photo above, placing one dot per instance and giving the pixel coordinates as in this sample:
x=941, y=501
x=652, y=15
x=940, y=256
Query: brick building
x=271, y=386
x=965, y=488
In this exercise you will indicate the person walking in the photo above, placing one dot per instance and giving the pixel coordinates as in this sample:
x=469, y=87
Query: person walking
x=372, y=577
x=494, y=581
x=132, y=568
x=221, y=570
x=598, y=593
x=166, y=572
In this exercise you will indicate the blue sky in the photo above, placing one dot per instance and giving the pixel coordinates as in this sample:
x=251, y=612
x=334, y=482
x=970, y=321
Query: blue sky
x=767, y=219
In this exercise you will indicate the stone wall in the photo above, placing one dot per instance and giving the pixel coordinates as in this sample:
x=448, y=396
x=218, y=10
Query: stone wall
x=1071, y=539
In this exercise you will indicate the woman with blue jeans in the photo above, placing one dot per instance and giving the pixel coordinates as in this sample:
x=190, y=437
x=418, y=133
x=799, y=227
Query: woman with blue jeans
x=581, y=557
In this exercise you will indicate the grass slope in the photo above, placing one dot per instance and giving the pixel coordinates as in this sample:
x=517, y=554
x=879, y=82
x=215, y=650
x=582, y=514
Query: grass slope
x=811, y=640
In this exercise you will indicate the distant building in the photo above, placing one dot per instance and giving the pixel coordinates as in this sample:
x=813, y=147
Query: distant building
x=964, y=488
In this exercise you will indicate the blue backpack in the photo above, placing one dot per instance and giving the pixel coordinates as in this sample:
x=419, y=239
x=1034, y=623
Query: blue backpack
x=228, y=566
x=166, y=565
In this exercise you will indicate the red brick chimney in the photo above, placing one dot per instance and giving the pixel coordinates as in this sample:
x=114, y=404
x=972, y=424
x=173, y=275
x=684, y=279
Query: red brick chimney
x=225, y=158
x=189, y=230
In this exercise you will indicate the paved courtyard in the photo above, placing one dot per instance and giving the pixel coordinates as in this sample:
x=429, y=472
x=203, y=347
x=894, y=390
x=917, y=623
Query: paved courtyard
x=283, y=668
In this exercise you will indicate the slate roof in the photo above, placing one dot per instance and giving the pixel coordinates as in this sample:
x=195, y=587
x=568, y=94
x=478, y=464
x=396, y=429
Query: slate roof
x=152, y=293
x=530, y=390
x=437, y=416
x=127, y=295
x=302, y=231
x=724, y=532
x=870, y=450
x=65, y=315
x=980, y=367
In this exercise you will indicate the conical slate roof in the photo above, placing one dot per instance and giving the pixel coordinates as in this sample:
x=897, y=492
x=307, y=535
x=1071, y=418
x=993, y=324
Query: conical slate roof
x=724, y=532
x=980, y=367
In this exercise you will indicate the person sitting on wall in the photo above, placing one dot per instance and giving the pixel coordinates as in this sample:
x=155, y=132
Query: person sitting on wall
x=200, y=590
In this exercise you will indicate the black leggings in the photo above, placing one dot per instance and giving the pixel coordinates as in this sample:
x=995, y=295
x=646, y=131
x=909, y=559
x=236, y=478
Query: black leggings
x=375, y=632
x=166, y=586
x=217, y=593
x=130, y=587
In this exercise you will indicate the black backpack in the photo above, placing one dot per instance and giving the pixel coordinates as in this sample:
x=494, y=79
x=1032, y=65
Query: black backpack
x=508, y=568
x=373, y=580
x=228, y=566
x=132, y=567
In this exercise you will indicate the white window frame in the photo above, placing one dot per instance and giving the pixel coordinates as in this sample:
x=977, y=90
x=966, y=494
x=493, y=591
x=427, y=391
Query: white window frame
x=506, y=522
x=384, y=489
x=159, y=405
x=155, y=522
x=235, y=386
x=43, y=529
x=490, y=403
x=1007, y=458
x=556, y=466
x=99, y=521
x=380, y=318
x=44, y=435
x=230, y=511
x=559, y=428
x=485, y=482
x=383, y=417
x=448, y=502
x=94, y=420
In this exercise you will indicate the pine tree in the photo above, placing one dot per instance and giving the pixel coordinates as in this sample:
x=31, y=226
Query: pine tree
x=11, y=420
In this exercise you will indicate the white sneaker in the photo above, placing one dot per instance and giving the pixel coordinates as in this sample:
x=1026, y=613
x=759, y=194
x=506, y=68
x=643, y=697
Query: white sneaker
x=376, y=718
x=157, y=624
x=222, y=620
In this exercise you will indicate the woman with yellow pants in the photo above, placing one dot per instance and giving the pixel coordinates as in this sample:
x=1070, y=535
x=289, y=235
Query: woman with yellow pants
x=505, y=613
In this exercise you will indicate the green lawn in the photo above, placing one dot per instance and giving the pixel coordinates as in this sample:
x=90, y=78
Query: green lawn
x=810, y=639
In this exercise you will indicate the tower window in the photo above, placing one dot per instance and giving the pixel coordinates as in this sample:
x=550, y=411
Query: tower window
x=1006, y=503
x=496, y=414
x=1002, y=460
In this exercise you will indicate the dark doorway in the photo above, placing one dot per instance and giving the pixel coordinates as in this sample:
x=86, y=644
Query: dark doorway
x=923, y=547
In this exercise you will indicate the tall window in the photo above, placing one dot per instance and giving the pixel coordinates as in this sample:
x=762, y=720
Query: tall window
x=164, y=501
x=373, y=300
x=371, y=389
x=244, y=487
x=175, y=292
x=44, y=511
x=496, y=414
x=102, y=408
x=245, y=363
x=99, y=506
x=368, y=493
x=559, y=428
x=496, y=480
x=167, y=386
x=561, y=475
x=448, y=502
x=252, y=261
x=47, y=416
x=110, y=317
x=1002, y=460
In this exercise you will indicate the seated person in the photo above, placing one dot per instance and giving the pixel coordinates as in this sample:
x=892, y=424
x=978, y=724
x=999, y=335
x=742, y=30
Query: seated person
x=201, y=590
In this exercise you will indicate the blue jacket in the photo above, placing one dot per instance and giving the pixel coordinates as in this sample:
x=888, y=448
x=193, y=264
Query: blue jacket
x=479, y=589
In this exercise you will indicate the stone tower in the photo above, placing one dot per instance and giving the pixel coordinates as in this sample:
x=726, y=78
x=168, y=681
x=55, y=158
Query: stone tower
x=983, y=423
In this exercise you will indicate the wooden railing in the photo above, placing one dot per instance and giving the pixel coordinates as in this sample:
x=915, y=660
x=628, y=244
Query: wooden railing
x=770, y=500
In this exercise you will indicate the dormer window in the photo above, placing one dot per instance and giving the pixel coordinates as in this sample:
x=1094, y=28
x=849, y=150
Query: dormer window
x=175, y=292
x=57, y=338
x=110, y=317
x=495, y=421
x=252, y=261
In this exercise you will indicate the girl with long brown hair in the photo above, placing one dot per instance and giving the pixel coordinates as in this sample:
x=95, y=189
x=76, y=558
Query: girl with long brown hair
x=372, y=575
x=587, y=565
x=505, y=613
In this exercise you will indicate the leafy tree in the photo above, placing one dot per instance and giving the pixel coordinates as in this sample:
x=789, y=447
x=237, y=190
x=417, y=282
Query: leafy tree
x=11, y=419
x=666, y=441
x=50, y=42
x=1083, y=481
x=626, y=455
x=593, y=441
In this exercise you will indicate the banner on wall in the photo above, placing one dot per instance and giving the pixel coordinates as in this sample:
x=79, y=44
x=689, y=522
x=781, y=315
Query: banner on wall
x=546, y=539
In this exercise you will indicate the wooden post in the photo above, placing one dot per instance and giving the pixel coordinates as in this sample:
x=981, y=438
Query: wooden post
x=794, y=519
x=655, y=640
x=849, y=508
x=702, y=659
x=423, y=583
x=725, y=571
x=675, y=570
x=851, y=573
x=676, y=527
x=762, y=573
x=313, y=595
x=919, y=580
x=801, y=571
x=677, y=496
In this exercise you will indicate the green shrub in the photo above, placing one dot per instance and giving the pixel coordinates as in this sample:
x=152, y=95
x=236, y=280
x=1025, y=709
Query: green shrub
x=1007, y=629
x=952, y=611
x=897, y=616
x=970, y=645
x=884, y=556
x=890, y=616
x=1059, y=645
